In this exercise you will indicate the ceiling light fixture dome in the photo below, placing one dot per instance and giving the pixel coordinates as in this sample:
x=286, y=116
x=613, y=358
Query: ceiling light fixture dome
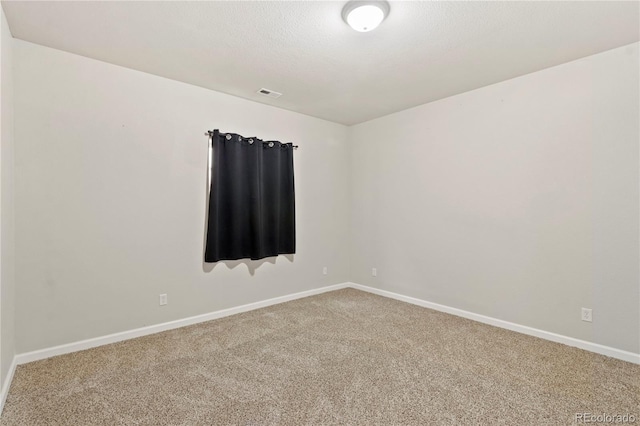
x=365, y=16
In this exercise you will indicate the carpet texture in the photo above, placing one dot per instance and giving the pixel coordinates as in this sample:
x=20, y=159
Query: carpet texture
x=344, y=357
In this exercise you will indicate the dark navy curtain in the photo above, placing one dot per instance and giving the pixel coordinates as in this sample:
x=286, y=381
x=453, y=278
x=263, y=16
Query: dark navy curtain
x=251, y=200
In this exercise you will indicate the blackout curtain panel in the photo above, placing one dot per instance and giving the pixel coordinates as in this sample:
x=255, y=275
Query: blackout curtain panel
x=251, y=199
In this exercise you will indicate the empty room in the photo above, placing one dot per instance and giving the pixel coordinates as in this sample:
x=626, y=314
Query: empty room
x=319, y=213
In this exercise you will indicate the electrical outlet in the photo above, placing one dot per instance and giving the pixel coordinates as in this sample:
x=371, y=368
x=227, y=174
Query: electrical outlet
x=374, y=272
x=325, y=271
x=163, y=299
x=587, y=315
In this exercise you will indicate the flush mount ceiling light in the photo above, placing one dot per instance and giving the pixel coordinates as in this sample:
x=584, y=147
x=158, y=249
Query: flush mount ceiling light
x=365, y=16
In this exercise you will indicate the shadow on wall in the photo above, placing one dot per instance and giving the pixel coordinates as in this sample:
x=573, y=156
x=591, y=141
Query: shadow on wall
x=252, y=265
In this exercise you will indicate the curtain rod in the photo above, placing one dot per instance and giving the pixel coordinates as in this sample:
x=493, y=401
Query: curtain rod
x=208, y=133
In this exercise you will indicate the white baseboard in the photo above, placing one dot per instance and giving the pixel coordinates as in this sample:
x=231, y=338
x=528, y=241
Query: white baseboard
x=144, y=331
x=547, y=335
x=4, y=392
x=152, y=329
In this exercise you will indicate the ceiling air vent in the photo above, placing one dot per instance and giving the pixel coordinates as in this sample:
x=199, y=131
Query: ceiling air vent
x=269, y=93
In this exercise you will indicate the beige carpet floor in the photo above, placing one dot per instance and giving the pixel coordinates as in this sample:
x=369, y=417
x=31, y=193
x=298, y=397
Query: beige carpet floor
x=344, y=357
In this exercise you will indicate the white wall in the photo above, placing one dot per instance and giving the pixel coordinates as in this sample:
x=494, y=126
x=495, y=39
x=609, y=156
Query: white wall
x=110, y=209
x=7, y=300
x=518, y=201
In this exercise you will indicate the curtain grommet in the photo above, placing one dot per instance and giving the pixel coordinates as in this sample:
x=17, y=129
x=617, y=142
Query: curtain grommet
x=270, y=144
x=228, y=137
x=239, y=138
x=250, y=141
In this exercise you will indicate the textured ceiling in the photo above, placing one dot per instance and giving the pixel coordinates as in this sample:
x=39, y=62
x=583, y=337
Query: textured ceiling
x=422, y=52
